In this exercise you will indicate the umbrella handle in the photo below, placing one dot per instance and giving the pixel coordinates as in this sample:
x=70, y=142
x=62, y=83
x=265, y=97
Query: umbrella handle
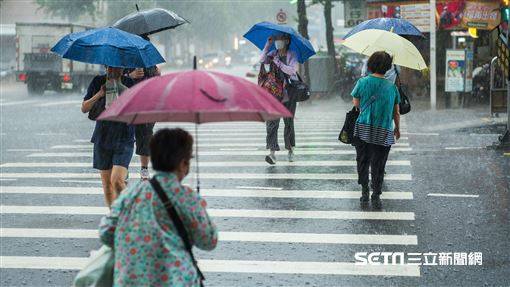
x=194, y=62
x=196, y=157
x=137, y=9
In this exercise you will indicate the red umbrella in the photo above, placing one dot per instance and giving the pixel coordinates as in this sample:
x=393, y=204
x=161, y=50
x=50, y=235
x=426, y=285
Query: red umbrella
x=195, y=96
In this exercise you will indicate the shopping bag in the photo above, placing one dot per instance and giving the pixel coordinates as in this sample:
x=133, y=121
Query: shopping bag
x=98, y=272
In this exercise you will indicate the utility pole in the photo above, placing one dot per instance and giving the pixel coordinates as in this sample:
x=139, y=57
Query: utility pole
x=432, y=71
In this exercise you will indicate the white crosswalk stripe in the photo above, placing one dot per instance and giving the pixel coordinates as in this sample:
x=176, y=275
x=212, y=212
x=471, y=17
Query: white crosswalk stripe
x=226, y=153
x=231, y=266
x=208, y=192
x=231, y=236
x=295, y=176
x=44, y=185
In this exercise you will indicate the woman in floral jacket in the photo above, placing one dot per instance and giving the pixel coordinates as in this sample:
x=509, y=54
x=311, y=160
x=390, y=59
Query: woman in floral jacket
x=148, y=249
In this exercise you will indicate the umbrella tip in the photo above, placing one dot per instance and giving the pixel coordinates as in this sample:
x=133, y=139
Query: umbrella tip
x=137, y=9
x=194, y=62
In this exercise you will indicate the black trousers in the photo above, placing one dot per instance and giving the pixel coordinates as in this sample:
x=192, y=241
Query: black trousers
x=374, y=157
x=288, y=133
x=143, y=135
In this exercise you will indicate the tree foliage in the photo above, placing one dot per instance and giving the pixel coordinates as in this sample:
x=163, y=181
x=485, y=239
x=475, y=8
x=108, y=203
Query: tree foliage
x=68, y=9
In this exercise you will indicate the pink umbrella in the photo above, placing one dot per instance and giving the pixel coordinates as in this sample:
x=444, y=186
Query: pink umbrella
x=197, y=97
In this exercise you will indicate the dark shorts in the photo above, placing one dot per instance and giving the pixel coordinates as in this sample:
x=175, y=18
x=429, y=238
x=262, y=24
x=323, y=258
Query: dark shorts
x=106, y=158
x=143, y=134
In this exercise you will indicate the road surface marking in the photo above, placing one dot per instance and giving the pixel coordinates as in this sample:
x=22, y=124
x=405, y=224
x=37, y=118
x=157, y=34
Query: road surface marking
x=452, y=195
x=240, y=144
x=266, y=192
x=5, y=104
x=231, y=266
x=306, y=163
x=223, y=153
x=80, y=181
x=463, y=147
x=296, y=176
x=420, y=134
x=203, y=140
x=260, y=187
x=484, y=135
x=24, y=149
x=274, y=237
x=50, y=134
x=69, y=102
x=227, y=213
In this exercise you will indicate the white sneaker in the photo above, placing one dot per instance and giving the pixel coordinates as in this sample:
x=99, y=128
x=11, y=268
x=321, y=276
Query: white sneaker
x=145, y=174
x=271, y=159
x=291, y=156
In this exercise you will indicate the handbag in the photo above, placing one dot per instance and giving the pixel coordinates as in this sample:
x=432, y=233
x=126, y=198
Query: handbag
x=346, y=135
x=97, y=109
x=270, y=82
x=298, y=90
x=98, y=272
x=404, y=105
x=174, y=216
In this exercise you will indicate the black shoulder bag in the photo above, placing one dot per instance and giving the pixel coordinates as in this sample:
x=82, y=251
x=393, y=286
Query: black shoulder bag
x=346, y=135
x=405, y=105
x=298, y=90
x=98, y=107
x=172, y=213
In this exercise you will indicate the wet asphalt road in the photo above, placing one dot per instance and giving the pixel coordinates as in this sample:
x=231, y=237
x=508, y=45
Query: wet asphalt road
x=285, y=225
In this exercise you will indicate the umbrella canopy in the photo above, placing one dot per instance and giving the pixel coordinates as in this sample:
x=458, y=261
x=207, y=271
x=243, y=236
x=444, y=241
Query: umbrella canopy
x=395, y=25
x=259, y=33
x=108, y=46
x=149, y=21
x=404, y=52
x=197, y=97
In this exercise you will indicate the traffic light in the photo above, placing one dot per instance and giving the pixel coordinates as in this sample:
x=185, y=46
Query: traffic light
x=505, y=10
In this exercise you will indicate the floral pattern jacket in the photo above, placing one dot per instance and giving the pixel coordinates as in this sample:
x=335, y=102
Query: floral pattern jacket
x=148, y=249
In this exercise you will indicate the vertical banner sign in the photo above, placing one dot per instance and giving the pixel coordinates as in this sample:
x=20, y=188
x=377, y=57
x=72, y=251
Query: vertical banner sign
x=455, y=70
x=355, y=12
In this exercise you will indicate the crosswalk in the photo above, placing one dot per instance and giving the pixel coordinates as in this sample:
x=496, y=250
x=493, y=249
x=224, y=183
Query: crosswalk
x=294, y=222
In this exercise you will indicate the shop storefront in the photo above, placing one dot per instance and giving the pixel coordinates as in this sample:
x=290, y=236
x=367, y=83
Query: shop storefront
x=463, y=27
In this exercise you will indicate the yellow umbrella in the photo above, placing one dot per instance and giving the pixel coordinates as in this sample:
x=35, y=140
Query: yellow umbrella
x=404, y=52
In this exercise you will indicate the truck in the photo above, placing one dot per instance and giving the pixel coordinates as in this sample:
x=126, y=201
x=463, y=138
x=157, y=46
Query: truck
x=42, y=70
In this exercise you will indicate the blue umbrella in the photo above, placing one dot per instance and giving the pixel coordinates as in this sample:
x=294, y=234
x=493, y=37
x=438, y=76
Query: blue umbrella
x=108, y=46
x=259, y=33
x=396, y=25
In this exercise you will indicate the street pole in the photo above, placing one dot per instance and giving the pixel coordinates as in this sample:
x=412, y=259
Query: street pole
x=507, y=142
x=432, y=71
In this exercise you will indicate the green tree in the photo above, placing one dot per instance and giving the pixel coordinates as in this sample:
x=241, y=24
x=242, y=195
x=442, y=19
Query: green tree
x=68, y=9
x=330, y=43
x=303, y=30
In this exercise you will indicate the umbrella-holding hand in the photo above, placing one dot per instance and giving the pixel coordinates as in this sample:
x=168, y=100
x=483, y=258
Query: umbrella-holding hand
x=137, y=74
